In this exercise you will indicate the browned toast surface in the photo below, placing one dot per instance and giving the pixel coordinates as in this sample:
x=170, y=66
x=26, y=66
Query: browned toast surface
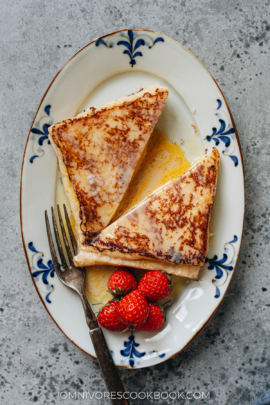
x=98, y=152
x=172, y=225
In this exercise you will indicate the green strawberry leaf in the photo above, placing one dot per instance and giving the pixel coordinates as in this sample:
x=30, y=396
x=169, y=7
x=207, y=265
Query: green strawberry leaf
x=168, y=277
x=103, y=306
x=128, y=290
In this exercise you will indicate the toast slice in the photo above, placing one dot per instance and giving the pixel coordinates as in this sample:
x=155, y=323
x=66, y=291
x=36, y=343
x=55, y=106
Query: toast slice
x=99, y=151
x=168, y=231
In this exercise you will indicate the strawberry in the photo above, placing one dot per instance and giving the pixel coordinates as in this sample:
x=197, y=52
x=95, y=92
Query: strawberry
x=107, y=317
x=155, y=319
x=155, y=285
x=133, y=309
x=121, y=282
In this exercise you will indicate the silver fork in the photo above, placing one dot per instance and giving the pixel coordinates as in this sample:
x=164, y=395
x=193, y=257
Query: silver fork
x=74, y=277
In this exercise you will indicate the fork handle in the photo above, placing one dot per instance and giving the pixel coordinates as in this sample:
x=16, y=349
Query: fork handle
x=109, y=371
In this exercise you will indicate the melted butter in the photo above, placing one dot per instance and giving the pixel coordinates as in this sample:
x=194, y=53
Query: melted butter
x=179, y=283
x=95, y=287
x=163, y=161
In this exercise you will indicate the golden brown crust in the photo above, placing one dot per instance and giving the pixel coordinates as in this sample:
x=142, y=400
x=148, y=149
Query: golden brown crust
x=172, y=225
x=85, y=258
x=100, y=150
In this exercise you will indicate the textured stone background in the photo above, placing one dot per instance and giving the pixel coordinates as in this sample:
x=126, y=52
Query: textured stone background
x=231, y=356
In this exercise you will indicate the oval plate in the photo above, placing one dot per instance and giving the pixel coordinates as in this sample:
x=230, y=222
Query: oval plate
x=197, y=117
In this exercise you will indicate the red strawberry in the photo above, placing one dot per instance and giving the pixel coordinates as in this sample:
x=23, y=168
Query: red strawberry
x=155, y=319
x=133, y=309
x=107, y=317
x=121, y=282
x=155, y=285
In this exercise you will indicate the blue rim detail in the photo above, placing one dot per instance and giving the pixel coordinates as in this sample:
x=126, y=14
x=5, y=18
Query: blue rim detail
x=223, y=134
x=221, y=266
x=132, y=41
x=42, y=135
x=42, y=270
x=130, y=350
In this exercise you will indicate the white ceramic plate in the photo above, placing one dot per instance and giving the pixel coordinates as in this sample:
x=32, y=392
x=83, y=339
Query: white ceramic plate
x=111, y=67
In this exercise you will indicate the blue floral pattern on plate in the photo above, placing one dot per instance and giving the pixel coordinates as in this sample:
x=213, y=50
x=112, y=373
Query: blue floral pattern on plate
x=222, y=265
x=132, y=41
x=130, y=350
x=225, y=134
x=39, y=269
x=40, y=134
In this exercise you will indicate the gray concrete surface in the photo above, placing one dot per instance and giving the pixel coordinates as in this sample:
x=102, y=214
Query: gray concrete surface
x=231, y=357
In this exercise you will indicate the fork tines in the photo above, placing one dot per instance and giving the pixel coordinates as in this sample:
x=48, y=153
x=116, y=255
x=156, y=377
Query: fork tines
x=70, y=250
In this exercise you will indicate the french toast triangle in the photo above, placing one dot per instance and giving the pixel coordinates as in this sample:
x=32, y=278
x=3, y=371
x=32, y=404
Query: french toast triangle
x=99, y=151
x=168, y=231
